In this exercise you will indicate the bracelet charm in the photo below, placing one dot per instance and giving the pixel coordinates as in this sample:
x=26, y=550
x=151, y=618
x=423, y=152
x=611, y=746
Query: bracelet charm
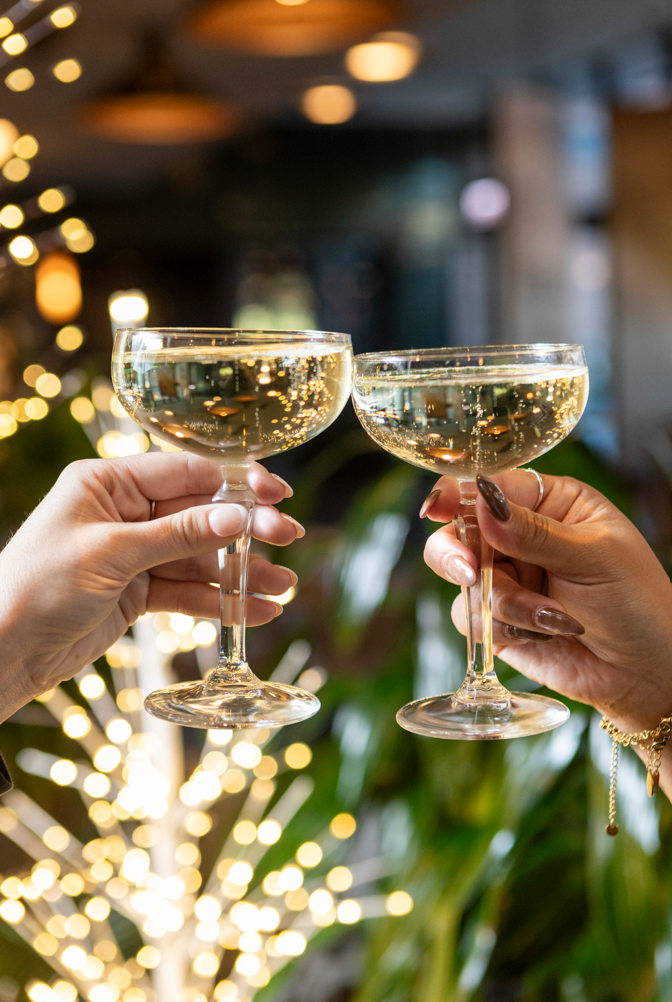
x=658, y=736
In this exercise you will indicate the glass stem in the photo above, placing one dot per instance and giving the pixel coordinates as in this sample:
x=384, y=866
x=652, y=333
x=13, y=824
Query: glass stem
x=481, y=683
x=233, y=670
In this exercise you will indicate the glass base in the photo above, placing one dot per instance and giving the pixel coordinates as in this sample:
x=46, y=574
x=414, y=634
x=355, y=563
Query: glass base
x=212, y=705
x=447, y=717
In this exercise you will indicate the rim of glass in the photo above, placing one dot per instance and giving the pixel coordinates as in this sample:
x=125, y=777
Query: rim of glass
x=483, y=349
x=282, y=334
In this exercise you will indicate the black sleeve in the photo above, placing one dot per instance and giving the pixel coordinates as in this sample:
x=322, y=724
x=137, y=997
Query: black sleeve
x=5, y=779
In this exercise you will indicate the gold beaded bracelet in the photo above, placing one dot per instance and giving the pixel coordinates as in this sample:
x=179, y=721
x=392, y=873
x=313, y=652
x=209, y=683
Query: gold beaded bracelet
x=659, y=736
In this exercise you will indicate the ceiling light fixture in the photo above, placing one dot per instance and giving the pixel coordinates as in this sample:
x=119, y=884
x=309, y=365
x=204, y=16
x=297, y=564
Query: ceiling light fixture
x=390, y=55
x=328, y=104
x=156, y=108
x=282, y=28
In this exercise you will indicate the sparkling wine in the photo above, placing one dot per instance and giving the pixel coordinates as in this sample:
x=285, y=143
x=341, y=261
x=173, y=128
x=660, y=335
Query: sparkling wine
x=472, y=419
x=235, y=404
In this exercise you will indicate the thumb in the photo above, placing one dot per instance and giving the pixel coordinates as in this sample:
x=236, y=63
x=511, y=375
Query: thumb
x=189, y=533
x=527, y=535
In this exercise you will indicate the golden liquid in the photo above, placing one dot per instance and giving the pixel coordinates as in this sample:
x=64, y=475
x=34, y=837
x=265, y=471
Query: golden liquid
x=476, y=419
x=237, y=404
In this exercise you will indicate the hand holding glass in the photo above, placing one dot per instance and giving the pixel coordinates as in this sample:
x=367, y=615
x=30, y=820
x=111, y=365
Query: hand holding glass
x=463, y=412
x=236, y=397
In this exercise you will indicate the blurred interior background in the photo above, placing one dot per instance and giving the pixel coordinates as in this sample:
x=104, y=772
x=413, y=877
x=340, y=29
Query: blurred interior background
x=414, y=173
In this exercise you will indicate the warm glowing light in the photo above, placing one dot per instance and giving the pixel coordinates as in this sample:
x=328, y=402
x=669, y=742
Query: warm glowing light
x=15, y=44
x=349, y=912
x=215, y=762
x=291, y=3
x=198, y=823
x=63, y=772
x=12, y=911
x=77, y=236
x=290, y=943
x=23, y=250
x=76, y=724
x=72, y=884
x=115, y=445
x=107, y=758
x=91, y=686
x=219, y=737
x=37, y=408
x=8, y=425
x=245, y=832
x=343, y=826
x=206, y=964
x=16, y=170
x=19, y=80
x=291, y=878
x=391, y=55
x=269, y=832
x=67, y=70
x=240, y=873
x=187, y=854
x=247, y=964
x=82, y=410
x=131, y=306
x=69, y=338
x=74, y=958
x=58, y=290
x=207, y=909
x=118, y=730
x=268, y=919
x=48, y=385
x=97, y=909
x=11, y=887
x=26, y=147
x=8, y=136
x=56, y=838
x=64, y=17
x=309, y=854
x=96, y=785
x=320, y=902
x=226, y=991
x=298, y=756
x=245, y=754
x=328, y=104
x=6, y=25
x=11, y=217
x=149, y=957
x=32, y=374
x=340, y=878
x=399, y=903
x=204, y=633
x=51, y=200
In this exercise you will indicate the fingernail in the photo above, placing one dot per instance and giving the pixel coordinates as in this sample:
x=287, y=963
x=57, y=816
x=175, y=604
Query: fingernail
x=428, y=502
x=300, y=531
x=493, y=497
x=517, y=633
x=557, y=622
x=227, y=519
x=288, y=490
x=458, y=570
x=294, y=578
x=278, y=609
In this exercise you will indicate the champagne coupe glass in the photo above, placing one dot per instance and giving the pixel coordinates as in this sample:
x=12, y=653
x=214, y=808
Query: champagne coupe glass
x=234, y=396
x=464, y=412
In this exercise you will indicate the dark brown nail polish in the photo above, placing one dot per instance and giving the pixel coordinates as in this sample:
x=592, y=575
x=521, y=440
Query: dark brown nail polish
x=557, y=622
x=517, y=633
x=494, y=498
x=428, y=502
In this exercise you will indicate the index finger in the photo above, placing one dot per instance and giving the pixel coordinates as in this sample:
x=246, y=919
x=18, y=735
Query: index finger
x=160, y=476
x=519, y=486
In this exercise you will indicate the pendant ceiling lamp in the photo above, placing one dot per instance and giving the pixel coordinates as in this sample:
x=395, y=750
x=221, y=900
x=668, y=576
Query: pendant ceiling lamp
x=288, y=27
x=156, y=108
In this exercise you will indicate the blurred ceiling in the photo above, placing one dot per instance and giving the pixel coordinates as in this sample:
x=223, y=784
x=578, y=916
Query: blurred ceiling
x=469, y=46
